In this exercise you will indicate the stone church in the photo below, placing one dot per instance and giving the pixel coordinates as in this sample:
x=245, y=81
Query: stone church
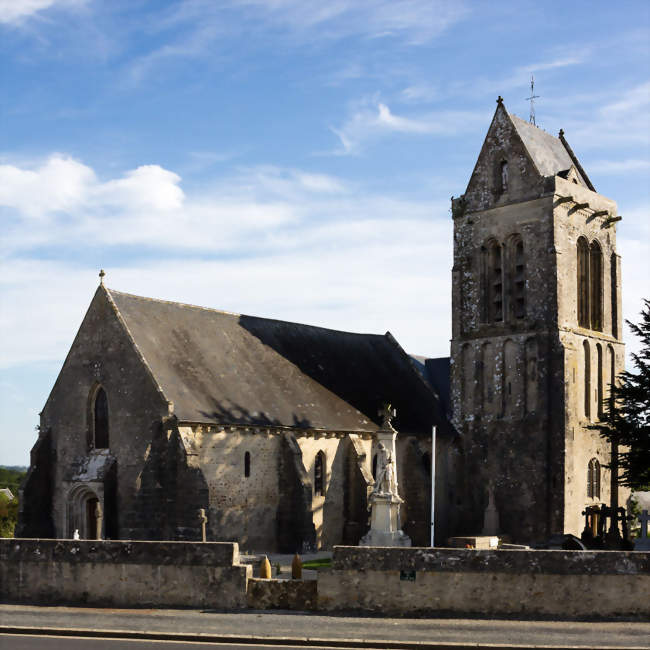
x=163, y=409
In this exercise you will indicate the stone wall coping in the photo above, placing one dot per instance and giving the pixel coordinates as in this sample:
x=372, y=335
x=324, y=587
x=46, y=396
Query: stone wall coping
x=458, y=560
x=216, y=554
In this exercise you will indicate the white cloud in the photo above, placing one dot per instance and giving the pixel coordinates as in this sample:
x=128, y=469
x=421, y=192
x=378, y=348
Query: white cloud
x=373, y=119
x=16, y=11
x=619, y=166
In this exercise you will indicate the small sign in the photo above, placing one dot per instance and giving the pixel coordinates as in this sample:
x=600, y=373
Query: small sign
x=407, y=575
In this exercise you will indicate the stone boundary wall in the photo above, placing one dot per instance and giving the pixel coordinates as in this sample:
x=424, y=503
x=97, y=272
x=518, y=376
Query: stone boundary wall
x=122, y=573
x=561, y=584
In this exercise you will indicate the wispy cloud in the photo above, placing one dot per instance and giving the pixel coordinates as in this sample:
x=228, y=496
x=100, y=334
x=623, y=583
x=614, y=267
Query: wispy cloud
x=17, y=11
x=374, y=119
x=202, y=27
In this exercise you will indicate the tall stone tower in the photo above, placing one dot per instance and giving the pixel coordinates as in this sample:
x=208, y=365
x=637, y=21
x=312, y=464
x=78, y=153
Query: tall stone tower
x=536, y=333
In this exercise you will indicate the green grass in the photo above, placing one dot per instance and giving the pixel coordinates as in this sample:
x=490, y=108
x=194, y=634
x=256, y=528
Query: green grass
x=320, y=563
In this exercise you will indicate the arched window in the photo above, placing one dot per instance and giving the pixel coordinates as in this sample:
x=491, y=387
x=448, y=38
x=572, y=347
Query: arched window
x=596, y=286
x=518, y=281
x=426, y=462
x=583, y=282
x=504, y=175
x=494, y=282
x=319, y=474
x=374, y=466
x=600, y=395
x=100, y=420
x=593, y=479
x=587, y=378
x=247, y=464
x=614, y=294
x=612, y=374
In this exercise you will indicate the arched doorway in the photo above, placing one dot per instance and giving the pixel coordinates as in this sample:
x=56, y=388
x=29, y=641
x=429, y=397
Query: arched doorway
x=84, y=513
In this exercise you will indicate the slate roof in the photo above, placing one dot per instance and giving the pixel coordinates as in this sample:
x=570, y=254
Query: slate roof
x=547, y=152
x=229, y=368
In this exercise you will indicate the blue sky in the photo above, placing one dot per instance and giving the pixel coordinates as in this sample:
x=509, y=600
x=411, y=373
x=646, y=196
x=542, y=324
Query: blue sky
x=284, y=158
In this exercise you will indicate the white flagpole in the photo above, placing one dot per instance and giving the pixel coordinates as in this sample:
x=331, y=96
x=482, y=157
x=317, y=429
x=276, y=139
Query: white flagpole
x=433, y=483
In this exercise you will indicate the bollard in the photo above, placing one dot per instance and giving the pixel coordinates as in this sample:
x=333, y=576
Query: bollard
x=296, y=568
x=204, y=520
x=265, y=568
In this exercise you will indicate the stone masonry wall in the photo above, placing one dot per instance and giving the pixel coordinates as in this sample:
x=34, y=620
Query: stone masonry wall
x=122, y=574
x=417, y=581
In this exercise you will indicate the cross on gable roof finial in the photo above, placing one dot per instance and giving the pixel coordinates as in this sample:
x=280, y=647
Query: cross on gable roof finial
x=101, y=276
x=499, y=100
x=387, y=413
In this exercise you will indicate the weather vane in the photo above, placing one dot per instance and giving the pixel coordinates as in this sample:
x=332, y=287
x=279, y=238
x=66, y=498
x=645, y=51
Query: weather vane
x=532, y=99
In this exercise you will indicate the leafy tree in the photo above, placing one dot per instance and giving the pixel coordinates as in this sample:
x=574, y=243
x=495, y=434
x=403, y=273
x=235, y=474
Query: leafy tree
x=8, y=515
x=627, y=413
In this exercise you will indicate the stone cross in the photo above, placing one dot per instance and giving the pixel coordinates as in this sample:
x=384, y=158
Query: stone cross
x=387, y=413
x=204, y=520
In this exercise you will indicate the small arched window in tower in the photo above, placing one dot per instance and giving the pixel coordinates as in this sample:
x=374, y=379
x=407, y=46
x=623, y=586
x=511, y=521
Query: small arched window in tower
x=100, y=420
x=614, y=294
x=583, y=282
x=494, y=282
x=596, y=286
x=519, y=281
x=587, y=378
x=374, y=466
x=593, y=479
x=247, y=464
x=504, y=175
x=319, y=474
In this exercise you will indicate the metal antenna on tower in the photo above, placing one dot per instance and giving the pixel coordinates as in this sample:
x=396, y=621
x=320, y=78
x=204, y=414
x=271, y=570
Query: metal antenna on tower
x=532, y=99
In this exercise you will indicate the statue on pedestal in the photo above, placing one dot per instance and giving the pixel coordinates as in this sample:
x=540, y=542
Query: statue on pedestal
x=384, y=500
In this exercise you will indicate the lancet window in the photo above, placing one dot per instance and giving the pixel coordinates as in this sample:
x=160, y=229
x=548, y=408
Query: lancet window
x=614, y=294
x=587, y=379
x=600, y=394
x=493, y=282
x=247, y=464
x=518, y=281
x=100, y=420
x=583, y=282
x=593, y=479
x=319, y=474
x=596, y=286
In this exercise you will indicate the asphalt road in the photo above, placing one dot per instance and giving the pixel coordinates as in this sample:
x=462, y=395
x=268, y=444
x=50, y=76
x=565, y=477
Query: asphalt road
x=305, y=629
x=29, y=642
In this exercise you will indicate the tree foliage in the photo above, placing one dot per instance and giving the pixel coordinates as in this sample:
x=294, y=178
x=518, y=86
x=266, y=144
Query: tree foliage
x=8, y=515
x=9, y=478
x=627, y=413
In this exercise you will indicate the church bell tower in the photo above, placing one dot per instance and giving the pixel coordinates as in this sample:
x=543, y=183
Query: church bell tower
x=536, y=313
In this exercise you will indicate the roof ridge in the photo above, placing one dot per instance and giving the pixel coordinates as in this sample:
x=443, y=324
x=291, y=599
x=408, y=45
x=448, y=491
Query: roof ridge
x=232, y=313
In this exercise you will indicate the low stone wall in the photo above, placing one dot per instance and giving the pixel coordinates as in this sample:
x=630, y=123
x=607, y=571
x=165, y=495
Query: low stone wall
x=282, y=594
x=122, y=573
x=562, y=584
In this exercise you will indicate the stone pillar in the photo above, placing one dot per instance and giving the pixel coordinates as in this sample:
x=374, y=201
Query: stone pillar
x=385, y=527
x=98, y=521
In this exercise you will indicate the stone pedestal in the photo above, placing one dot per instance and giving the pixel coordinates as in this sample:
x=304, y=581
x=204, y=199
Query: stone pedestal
x=384, y=523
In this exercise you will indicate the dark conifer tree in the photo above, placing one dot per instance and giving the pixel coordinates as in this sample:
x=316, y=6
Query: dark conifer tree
x=626, y=423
